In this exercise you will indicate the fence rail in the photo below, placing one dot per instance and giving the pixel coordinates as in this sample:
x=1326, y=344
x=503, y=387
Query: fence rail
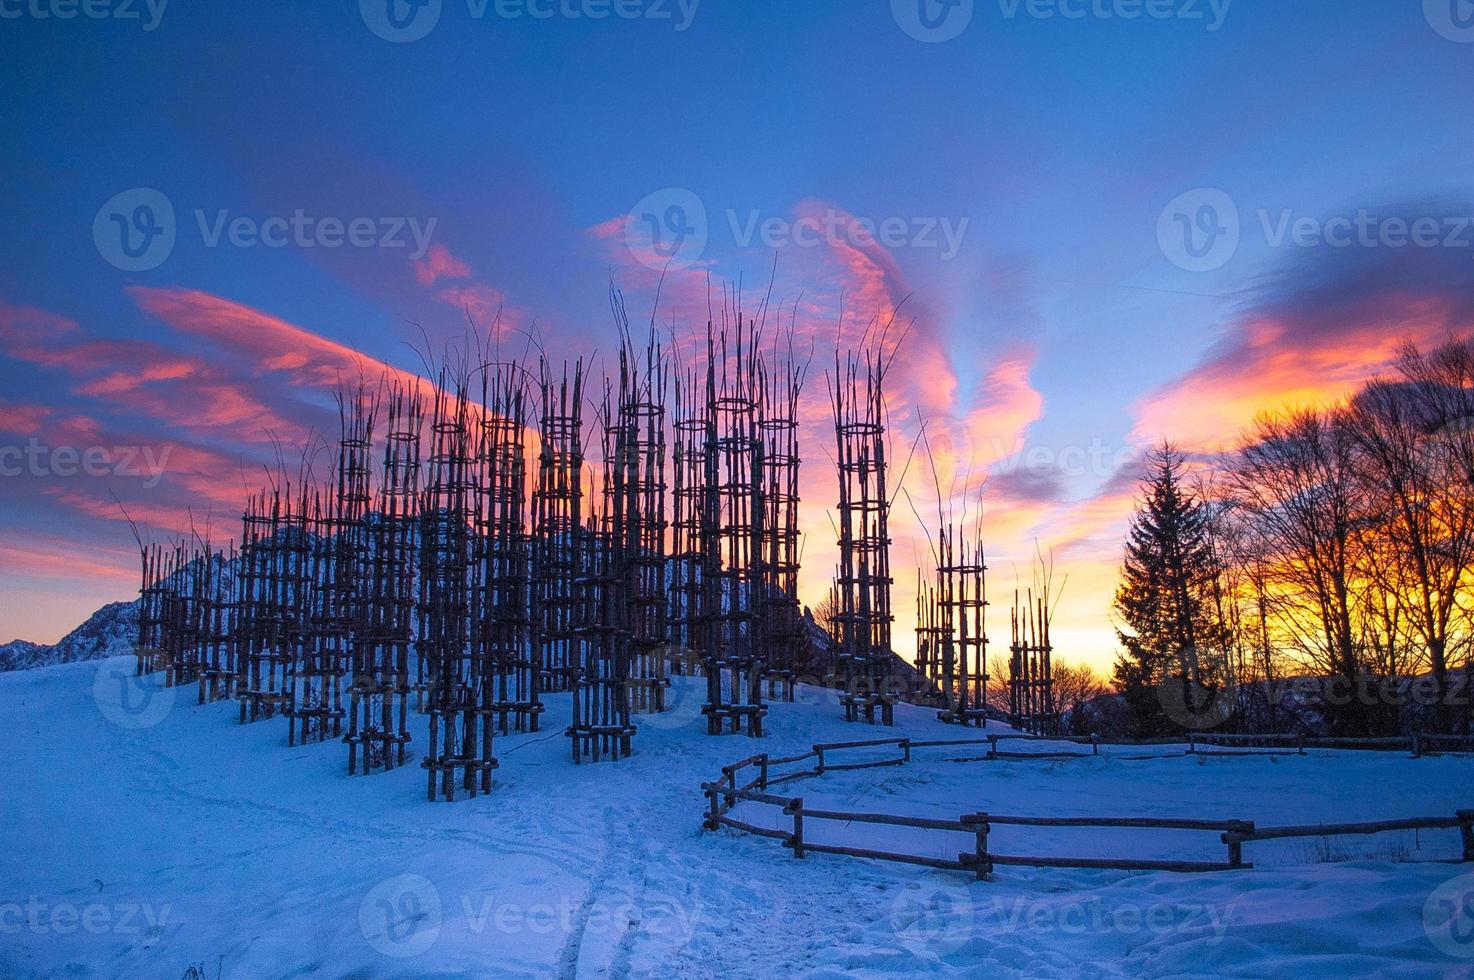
x=724, y=794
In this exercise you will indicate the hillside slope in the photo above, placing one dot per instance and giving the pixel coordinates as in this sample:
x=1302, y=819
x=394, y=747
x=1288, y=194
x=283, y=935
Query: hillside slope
x=185, y=839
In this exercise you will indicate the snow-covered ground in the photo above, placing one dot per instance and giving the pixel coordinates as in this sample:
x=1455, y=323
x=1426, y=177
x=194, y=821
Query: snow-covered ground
x=142, y=843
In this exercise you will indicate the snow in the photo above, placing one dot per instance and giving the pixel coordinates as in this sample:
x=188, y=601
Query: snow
x=140, y=838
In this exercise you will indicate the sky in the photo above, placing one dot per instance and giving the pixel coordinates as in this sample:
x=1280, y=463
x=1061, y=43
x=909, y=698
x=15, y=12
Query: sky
x=1100, y=223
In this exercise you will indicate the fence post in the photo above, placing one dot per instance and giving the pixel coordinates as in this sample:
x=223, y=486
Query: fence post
x=820, y=753
x=1417, y=745
x=1095, y=743
x=762, y=763
x=992, y=746
x=1234, y=838
x=906, y=750
x=982, y=867
x=1300, y=743
x=712, y=813
x=1192, y=743
x=795, y=807
x=1466, y=832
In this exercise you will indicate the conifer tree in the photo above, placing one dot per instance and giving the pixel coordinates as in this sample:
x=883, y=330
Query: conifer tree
x=1170, y=629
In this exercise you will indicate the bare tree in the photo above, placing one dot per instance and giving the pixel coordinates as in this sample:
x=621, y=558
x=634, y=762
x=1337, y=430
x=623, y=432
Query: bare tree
x=1075, y=684
x=1294, y=483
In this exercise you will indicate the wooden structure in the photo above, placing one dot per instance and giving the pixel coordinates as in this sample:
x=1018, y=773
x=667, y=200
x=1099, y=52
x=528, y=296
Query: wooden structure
x=508, y=670
x=731, y=514
x=1030, y=673
x=962, y=642
x=459, y=750
x=558, y=524
x=380, y=689
x=755, y=779
x=862, y=617
x=784, y=635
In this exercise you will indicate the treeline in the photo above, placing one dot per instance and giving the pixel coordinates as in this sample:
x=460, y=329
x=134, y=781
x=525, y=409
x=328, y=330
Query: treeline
x=1318, y=576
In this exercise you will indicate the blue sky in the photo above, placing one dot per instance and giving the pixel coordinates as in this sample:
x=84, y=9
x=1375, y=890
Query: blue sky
x=1054, y=143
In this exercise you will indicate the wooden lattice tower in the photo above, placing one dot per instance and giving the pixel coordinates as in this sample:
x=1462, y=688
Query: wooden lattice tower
x=508, y=677
x=273, y=553
x=557, y=520
x=784, y=634
x=340, y=556
x=639, y=486
x=601, y=727
x=1031, y=705
x=216, y=630
x=929, y=630
x=732, y=513
x=688, y=468
x=316, y=708
x=864, y=615
x=378, y=731
x=149, y=648
x=459, y=749
x=961, y=604
x=187, y=609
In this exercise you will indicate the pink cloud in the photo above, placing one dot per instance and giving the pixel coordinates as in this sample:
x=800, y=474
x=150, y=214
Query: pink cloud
x=24, y=420
x=439, y=264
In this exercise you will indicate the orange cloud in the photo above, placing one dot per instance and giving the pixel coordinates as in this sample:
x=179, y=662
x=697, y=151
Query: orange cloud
x=1312, y=336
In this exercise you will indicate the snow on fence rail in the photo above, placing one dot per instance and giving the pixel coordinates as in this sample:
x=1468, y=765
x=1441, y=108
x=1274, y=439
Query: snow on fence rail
x=726, y=793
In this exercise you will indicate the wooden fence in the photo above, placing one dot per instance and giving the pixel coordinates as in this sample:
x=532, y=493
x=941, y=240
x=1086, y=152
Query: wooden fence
x=753, y=779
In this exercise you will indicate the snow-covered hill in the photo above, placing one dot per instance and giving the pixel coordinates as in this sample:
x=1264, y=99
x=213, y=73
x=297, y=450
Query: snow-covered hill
x=142, y=835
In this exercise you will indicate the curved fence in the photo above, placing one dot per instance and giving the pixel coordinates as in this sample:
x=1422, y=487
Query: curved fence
x=754, y=778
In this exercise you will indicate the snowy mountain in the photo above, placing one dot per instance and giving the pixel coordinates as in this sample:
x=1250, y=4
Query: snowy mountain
x=109, y=632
